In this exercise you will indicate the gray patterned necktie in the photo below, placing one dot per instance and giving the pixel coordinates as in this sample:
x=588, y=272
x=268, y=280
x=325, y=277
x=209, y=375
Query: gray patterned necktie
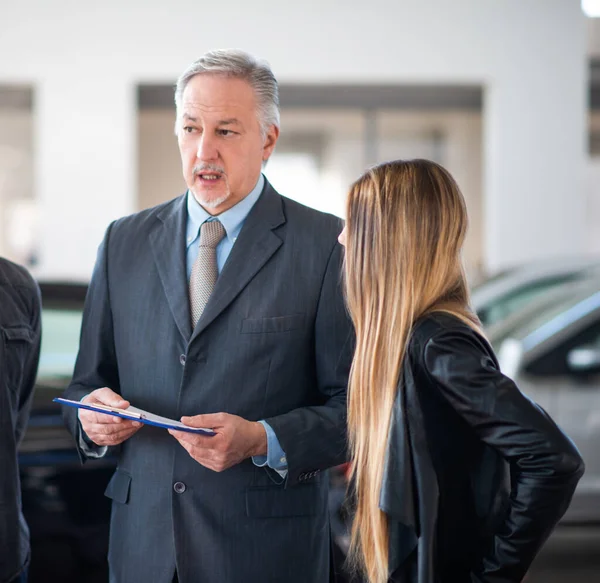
x=204, y=272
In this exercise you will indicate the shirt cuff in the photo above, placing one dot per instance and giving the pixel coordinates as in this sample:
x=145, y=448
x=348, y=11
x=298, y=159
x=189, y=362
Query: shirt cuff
x=87, y=446
x=96, y=451
x=275, y=458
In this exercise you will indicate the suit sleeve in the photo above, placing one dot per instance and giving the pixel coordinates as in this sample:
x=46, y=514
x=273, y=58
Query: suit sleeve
x=96, y=364
x=545, y=465
x=314, y=438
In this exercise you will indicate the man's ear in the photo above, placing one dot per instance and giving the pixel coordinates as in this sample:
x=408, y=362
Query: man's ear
x=270, y=141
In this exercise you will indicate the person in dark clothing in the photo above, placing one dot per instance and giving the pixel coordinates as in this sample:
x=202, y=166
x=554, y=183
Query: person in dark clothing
x=457, y=476
x=20, y=334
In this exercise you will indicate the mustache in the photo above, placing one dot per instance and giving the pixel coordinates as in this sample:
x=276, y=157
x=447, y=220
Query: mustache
x=199, y=168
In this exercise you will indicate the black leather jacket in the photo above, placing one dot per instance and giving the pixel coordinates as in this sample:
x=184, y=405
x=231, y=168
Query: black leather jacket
x=19, y=353
x=477, y=475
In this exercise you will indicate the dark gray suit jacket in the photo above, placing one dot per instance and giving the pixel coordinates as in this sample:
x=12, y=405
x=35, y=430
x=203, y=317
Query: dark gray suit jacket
x=19, y=354
x=273, y=343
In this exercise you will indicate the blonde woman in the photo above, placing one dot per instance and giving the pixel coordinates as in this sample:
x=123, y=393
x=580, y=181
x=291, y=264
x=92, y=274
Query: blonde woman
x=457, y=476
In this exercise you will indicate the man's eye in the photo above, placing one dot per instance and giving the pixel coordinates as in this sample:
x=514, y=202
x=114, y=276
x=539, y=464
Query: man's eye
x=188, y=129
x=225, y=132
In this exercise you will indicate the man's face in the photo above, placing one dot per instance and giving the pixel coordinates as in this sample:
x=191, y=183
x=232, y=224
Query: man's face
x=220, y=140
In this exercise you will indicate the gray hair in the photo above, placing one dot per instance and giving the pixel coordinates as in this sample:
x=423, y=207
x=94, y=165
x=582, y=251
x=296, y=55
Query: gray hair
x=241, y=65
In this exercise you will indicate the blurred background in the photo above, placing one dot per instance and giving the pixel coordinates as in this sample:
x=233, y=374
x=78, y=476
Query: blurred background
x=505, y=94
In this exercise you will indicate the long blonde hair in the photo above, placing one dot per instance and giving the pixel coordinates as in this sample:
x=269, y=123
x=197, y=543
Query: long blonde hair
x=405, y=225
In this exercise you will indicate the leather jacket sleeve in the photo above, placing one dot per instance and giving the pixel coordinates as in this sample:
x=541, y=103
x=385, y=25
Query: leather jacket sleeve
x=545, y=465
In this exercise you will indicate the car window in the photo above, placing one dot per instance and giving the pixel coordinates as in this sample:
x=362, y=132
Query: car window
x=554, y=362
x=553, y=318
x=60, y=342
x=517, y=299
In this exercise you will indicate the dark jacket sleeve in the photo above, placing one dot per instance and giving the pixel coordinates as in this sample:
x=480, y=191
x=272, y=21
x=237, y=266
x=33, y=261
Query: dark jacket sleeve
x=314, y=438
x=31, y=361
x=545, y=465
x=96, y=364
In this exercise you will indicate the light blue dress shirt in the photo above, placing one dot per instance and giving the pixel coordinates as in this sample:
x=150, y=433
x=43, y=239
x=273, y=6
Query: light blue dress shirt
x=233, y=221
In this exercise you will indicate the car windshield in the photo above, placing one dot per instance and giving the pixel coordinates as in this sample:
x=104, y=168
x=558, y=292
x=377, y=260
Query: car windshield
x=556, y=317
x=516, y=299
x=60, y=342
x=544, y=319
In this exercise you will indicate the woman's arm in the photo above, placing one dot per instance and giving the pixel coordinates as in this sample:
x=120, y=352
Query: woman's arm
x=545, y=464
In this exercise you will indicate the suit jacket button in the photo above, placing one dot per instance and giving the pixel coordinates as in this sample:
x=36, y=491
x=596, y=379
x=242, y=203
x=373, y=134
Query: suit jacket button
x=179, y=487
x=182, y=359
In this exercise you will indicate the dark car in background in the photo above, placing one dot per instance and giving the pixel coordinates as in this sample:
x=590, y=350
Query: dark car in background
x=63, y=500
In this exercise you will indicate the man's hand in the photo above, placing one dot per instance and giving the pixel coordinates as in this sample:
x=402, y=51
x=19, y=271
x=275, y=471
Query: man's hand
x=236, y=440
x=106, y=429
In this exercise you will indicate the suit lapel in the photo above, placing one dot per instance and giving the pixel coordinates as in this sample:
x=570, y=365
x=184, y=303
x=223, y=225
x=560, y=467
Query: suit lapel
x=255, y=245
x=168, y=246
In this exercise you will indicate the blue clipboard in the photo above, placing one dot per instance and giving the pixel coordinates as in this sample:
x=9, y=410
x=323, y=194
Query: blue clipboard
x=135, y=414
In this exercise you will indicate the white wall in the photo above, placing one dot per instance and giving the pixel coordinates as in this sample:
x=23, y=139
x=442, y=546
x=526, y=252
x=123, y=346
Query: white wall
x=593, y=206
x=16, y=176
x=460, y=151
x=593, y=192
x=84, y=62
x=593, y=37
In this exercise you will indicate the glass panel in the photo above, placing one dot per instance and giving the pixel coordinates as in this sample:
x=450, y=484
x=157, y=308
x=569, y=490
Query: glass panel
x=548, y=316
x=521, y=297
x=60, y=343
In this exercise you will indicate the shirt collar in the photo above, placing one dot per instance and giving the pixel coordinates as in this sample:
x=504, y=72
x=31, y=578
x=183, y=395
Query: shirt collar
x=232, y=219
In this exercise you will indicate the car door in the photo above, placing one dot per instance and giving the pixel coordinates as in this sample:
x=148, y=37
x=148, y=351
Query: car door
x=572, y=398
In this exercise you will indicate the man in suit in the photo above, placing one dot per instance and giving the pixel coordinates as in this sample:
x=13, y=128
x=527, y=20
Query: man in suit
x=223, y=308
x=20, y=309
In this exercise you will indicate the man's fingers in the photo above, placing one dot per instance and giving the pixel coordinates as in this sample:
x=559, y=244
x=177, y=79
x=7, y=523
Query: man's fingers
x=208, y=421
x=189, y=440
x=106, y=396
x=110, y=429
x=110, y=439
x=204, y=441
x=117, y=437
x=103, y=396
x=104, y=424
x=198, y=443
x=99, y=418
x=113, y=438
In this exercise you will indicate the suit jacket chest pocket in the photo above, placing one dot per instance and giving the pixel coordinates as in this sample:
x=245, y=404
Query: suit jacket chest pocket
x=16, y=344
x=272, y=325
